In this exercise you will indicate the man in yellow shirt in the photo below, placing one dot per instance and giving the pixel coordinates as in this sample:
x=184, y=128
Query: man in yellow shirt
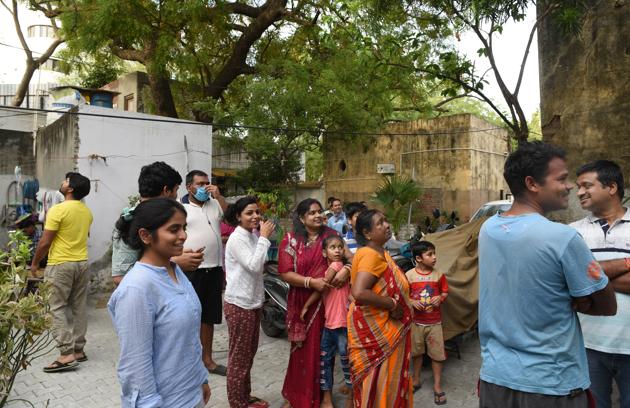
x=65, y=240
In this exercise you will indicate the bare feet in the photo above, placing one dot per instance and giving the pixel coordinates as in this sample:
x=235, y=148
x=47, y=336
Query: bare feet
x=348, y=403
x=326, y=404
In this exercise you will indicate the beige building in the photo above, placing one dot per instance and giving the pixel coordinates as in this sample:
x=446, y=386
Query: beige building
x=457, y=160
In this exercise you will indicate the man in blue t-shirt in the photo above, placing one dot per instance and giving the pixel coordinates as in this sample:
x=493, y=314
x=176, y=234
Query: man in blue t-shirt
x=534, y=275
x=337, y=220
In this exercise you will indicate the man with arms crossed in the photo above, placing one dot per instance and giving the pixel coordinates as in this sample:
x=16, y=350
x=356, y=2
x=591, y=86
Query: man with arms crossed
x=533, y=275
x=607, y=232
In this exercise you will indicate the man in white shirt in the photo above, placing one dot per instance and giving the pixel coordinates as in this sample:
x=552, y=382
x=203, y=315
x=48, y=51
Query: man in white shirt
x=607, y=233
x=205, y=211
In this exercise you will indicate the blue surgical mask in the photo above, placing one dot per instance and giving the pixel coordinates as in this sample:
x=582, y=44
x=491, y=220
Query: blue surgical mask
x=201, y=194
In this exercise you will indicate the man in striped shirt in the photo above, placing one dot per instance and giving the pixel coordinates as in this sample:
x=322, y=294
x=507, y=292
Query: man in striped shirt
x=607, y=232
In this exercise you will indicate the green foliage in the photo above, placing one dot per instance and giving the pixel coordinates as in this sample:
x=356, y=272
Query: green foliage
x=474, y=107
x=328, y=81
x=534, y=125
x=24, y=317
x=314, y=165
x=395, y=194
x=275, y=203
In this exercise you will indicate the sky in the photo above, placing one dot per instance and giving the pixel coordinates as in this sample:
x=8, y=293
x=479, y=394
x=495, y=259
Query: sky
x=508, y=50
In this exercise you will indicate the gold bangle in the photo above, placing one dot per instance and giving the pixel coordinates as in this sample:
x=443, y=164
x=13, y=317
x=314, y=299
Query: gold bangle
x=395, y=304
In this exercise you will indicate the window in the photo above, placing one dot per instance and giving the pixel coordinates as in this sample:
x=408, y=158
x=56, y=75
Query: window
x=43, y=31
x=129, y=106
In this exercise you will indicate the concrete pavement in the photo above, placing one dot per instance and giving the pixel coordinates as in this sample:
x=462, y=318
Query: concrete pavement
x=95, y=385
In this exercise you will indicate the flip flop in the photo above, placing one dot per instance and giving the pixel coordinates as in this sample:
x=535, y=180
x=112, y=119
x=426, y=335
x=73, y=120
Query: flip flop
x=437, y=398
x=219, y=370
x=417, y=387
x=255, y=402
x=82, y=359
x=57, y=366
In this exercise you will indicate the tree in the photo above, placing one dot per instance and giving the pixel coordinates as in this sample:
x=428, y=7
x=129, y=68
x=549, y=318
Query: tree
x=50, y=10
x=458, y=75
x=207, y=44
x=325, y=81
x=395, y=194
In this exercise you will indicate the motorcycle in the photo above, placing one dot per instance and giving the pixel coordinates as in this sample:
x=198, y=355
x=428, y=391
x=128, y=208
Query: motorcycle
x=274, y=311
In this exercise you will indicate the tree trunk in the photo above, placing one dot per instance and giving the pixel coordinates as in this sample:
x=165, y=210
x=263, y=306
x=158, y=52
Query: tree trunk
x=160, y=86
x=521, y=134
x=22, y=89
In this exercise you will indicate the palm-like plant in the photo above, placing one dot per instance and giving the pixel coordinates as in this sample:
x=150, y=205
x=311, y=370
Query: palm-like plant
x=394, y=194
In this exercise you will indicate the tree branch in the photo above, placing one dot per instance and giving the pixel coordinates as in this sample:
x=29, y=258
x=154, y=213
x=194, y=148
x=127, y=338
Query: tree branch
x=529, y=43
x=244, y=9
x=18, y=29
x=49, y=51
x=128, y=54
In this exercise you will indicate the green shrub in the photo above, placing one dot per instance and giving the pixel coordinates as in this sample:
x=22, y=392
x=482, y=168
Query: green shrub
x=25, y=320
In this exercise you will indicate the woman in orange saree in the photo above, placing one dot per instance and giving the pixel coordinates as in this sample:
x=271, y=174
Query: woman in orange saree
x=379, y=321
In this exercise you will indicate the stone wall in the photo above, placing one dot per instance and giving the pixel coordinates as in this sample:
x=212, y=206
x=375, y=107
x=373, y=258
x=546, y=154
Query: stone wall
x=16, y=149
x=458, y=160
x=56, y=150
x=585, y=88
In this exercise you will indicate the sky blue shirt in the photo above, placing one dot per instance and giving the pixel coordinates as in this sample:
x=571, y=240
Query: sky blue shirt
x=337, y=222
x=158, y=323
x=529, y=269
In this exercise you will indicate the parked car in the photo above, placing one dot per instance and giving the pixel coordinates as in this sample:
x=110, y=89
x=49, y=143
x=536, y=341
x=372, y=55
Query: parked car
x=491, y=208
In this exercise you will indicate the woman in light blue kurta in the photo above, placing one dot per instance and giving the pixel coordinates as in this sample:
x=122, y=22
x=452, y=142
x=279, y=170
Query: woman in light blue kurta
x=157, y=315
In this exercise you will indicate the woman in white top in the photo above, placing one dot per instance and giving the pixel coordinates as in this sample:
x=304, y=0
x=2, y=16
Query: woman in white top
x=245, y=256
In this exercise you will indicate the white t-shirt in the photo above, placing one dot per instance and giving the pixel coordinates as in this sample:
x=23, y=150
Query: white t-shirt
x=245, y=256
x=204, y=230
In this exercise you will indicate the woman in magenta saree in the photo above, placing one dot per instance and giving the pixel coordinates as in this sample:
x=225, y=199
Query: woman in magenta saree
x=302, y=265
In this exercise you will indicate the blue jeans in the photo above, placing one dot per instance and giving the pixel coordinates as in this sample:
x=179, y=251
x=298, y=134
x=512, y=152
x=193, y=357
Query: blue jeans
x=603, y=367
x=334, y=341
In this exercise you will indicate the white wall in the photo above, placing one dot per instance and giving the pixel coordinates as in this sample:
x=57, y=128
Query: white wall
x=128, y=145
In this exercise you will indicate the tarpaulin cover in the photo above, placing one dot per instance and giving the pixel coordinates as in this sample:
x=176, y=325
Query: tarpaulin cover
x=457, y=259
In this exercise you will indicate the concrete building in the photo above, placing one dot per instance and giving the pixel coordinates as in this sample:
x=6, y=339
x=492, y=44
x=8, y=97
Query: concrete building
x=130, y=88
x=457, y=160
x=110, y=151
x=585, y=88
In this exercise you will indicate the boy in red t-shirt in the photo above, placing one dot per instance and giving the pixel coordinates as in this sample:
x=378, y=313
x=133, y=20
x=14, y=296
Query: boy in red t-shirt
x=428, y=291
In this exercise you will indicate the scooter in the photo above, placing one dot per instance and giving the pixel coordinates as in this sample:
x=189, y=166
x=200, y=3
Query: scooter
x=274, y=311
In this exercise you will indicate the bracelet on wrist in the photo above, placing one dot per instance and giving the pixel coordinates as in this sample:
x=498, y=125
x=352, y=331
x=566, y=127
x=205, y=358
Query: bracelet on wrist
x=395, y=304
x=307, y=282
x=627, y=261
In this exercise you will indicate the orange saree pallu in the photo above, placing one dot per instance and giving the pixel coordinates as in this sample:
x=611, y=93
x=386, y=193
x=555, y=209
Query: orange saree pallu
x=379, y=347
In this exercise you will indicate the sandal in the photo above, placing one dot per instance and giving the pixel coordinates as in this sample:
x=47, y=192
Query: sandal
x=437, y=398
x=417, y=387
x=81, y=359
x=255, y=402
x=219, y=370
x=57, y=366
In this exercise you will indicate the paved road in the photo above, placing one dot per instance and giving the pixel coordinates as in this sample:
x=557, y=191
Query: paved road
x=94, y=384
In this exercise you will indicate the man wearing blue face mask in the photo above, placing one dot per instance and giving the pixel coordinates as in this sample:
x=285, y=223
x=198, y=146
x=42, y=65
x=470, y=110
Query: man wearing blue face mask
x=204, y=214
